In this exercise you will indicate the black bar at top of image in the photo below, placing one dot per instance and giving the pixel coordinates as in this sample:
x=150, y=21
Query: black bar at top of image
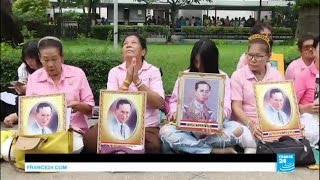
x=150, y=158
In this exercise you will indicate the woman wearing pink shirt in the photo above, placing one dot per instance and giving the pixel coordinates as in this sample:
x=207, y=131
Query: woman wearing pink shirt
x=56, y=77
x=204, y=59
x=242, y=86
x=305, y=45
x=136, y=74
x=307, y=90
x=263, y=29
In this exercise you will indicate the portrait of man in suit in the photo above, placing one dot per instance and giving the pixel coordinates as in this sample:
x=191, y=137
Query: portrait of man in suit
x=274, y=108
x=39, y=125
x=197, y=109
x=119, y=122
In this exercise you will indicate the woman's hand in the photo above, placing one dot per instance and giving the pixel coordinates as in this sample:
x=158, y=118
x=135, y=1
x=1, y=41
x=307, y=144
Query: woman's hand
x=21, y=89
x=171, y=116
x=11, y=119
x=74, y=105
x=312, y=108
x=130, y=71
x=255, y=130
x=135, y=76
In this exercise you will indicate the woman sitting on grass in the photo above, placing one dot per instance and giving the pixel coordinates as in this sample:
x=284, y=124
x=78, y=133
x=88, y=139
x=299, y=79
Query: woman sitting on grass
x=136, y=74
x=204, y=59
x=307, y=90
x=242, y=86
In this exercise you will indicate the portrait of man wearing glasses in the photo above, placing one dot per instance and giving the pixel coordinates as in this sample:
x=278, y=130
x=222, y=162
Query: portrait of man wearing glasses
x=305, y=46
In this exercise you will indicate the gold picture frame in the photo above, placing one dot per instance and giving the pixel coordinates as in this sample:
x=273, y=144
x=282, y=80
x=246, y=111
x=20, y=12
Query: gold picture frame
x=277, y=62
x=42, y=114
x=121, y=121
x=210, y=118
x=277, y=109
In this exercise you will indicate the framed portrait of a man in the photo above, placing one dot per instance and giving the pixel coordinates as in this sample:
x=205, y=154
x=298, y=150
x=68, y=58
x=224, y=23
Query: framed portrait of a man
x=44, y=114
x=277, y=109
x=200, y=102
x=121, y=122
x=277, y=62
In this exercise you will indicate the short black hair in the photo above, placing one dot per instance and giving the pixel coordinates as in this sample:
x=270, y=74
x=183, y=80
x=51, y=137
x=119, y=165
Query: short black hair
x=51, y=41
x=121, y=102
x=303, y=39
x=201, y=82
x=273, y=91
x=142, y=41
x=260, y=27
x=42, y=105
x=256, y=29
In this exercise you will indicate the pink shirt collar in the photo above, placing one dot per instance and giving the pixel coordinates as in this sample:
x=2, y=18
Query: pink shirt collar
x=300, y=63
x=249, y=75
x=65, y=73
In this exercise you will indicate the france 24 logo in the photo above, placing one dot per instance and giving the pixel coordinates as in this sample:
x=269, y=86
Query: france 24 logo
x=286, y=162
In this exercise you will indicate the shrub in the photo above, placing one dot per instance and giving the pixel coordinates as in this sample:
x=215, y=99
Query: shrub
x=106, y=31
x=221, y=30
x=95, y=66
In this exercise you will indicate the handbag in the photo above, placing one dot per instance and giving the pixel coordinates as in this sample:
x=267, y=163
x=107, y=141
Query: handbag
x=302, y=149
x=56, y=143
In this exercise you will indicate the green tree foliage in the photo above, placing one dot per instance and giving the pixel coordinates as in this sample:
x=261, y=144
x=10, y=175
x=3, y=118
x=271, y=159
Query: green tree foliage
x=285, y=17
x=307, y=3
x=31, y=10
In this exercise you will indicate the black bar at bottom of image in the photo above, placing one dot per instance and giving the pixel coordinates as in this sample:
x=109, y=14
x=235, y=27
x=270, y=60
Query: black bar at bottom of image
x=151, y=158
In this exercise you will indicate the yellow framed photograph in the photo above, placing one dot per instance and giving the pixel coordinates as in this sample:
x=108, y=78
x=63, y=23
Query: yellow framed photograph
x=277, y=109
x=121, y=122
x=200, y=102
x=277, y=62
x=43, y=114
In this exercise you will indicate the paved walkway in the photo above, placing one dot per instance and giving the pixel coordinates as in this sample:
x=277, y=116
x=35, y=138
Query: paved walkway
x=8, y=173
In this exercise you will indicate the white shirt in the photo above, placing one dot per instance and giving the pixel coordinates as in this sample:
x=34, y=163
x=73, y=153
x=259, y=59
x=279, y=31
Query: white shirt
x=120, y=130
x=35, y=128
x=276, y=117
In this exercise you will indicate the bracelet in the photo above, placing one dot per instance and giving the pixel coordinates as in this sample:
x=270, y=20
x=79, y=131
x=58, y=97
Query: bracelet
x=127, y=82
x=139, y=85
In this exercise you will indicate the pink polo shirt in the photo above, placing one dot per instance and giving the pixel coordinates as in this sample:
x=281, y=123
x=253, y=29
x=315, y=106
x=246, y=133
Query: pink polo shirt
x=294, y=68
x=305, y=85
x=242, y=61
x=242, y=88
x=150, y=76
x=73, y=83
x=173, y=102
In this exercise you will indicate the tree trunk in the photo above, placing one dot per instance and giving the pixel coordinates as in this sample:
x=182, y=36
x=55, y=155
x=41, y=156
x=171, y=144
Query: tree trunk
x=308, y=21
x=174, y=11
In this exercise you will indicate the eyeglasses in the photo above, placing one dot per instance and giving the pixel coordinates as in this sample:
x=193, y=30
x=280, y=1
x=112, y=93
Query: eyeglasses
x=307, y=48
x=257, y=57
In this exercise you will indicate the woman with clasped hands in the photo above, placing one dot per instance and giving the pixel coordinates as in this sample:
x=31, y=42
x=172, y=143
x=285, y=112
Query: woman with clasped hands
x=135, y=74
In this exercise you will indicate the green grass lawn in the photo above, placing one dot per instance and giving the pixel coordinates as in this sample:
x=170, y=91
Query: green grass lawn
x=172, y=58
